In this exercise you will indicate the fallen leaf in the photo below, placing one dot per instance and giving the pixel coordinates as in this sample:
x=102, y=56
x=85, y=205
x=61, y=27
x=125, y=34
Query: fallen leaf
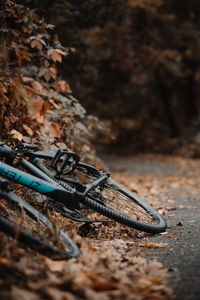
x=54, y=103
x=55, y=129
x=5, y=261
x=22, y=294
x=16, y=135
x=152, y=245
x=55, y=266
x=37, y=86
x=27, y=79
x=58, y=294
x=28, y=129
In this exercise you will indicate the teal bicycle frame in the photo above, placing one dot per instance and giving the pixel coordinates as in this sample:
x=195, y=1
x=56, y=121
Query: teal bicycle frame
x=43, y=186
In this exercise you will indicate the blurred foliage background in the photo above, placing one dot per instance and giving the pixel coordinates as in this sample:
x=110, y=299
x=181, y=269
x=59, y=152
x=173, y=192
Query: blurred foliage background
x=36, y=103
x=135, y=64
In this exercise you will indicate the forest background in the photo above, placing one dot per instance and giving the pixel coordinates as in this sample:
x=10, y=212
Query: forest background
x=132, y=64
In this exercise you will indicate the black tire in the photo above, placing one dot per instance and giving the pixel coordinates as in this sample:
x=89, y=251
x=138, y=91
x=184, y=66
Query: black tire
x=147, y=219
x=66, y=248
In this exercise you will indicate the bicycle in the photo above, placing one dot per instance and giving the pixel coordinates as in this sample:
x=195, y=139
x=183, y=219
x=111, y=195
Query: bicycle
x=73, y=186
x=15, y=222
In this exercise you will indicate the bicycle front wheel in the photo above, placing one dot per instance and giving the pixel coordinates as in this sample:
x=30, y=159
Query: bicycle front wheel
x=119, y=204
x=27, y=225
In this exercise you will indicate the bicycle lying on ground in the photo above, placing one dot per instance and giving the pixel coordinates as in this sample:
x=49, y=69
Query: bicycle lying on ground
x=78, y=190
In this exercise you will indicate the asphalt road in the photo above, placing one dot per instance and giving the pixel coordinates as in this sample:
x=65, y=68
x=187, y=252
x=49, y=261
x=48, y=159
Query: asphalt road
x=181, y=254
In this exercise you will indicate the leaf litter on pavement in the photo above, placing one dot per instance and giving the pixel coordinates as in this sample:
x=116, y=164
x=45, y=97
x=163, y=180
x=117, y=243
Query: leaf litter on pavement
x=112, y=265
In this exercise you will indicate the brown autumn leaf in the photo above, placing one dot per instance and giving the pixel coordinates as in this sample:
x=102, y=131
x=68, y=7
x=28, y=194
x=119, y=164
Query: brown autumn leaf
x=22, y=294
x=56, y=54
x=53, y=72
x=56, y=57
x=37, y=41
x=55, y=266
x=100, y=284
x=16, y=135
x=62, y=85
x=27, y=79
x=151, y=245
x=3, y=88
x=45, y=107
x=55, y=129
x=36, y=108
x=36, y=44
x=56, y=294
x=30, y=91
x=18, y=54
x=66, y=117
x=47, y=76
x=5, y=261
x=37, y=86
x=25, y=54
x=42, y=120
x=20, y=5
x=2, y=100
x=28, y=129
x=54, y=103
x=44, y=72
x=7, y=123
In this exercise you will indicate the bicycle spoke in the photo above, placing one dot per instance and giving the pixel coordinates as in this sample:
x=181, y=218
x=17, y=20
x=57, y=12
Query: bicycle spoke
x=114, y=199
x=121, y=203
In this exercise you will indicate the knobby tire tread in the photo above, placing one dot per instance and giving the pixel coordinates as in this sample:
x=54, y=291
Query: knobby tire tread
x=118, y=217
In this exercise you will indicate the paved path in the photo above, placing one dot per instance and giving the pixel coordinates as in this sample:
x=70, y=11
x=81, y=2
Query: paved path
x=181, y=255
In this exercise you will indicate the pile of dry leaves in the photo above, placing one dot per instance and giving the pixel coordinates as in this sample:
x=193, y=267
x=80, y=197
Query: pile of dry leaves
x=112, y=265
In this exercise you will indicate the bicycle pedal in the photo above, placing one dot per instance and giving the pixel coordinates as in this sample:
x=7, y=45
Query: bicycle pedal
x=64, y=162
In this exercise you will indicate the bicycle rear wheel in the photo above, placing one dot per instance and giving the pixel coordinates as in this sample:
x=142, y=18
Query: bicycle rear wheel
x=27, y=225
x=118, y=203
